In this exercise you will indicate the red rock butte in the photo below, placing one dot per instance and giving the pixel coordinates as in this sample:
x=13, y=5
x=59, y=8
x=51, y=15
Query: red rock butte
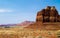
x=47, y=19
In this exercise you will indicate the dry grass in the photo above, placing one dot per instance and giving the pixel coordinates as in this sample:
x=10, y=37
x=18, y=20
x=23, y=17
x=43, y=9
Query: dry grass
x=26, y=33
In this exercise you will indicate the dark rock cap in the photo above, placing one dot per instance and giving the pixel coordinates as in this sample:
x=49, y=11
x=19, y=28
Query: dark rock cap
x=48, y=7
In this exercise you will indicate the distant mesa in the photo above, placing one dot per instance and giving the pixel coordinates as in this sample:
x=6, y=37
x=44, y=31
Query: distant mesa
x=7, y=25
x=47, y=19
x=25, y=23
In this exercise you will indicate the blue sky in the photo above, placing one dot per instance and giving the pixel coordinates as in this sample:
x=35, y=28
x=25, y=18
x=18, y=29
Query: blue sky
x=17, y=11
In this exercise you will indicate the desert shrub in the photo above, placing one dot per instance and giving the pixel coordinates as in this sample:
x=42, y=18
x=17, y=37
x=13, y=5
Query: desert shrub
x=58, y=34
x=49, y=33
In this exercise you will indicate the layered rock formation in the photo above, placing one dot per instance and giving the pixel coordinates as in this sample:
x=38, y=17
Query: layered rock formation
x=50, y=14
x=47, y=19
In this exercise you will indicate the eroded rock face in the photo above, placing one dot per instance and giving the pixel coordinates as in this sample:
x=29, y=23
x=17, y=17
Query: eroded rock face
x=50, y=14
x=47, y=19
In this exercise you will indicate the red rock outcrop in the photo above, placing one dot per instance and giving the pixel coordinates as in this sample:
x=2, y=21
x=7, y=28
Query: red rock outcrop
x=50, y=14
x=47, y=19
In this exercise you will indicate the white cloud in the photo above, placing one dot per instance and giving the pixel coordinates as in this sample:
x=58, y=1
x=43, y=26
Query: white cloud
x=5, y=10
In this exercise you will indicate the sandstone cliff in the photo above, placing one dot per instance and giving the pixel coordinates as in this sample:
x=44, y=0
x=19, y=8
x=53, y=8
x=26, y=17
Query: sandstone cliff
x=47, y=19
